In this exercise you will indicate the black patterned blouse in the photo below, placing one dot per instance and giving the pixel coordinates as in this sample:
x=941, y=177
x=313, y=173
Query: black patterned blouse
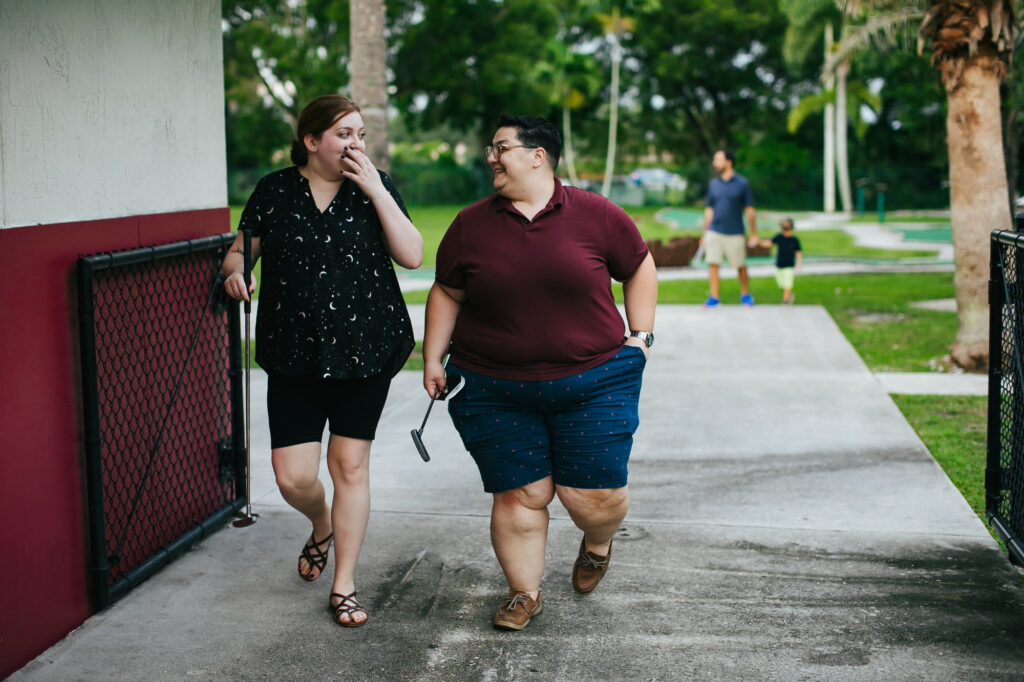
x=329, y=303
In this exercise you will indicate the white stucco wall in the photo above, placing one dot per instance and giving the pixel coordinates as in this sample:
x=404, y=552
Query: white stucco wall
x=109, y=108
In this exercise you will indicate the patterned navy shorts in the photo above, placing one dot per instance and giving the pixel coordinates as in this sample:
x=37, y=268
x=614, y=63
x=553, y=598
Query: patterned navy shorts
x=578, y=429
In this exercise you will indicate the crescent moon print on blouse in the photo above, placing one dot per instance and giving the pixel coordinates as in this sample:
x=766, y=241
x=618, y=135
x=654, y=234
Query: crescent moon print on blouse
x=331, y=304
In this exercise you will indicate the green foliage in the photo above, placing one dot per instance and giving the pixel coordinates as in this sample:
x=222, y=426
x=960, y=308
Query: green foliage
x=911, y=127
x=718, y=69
x=428, y=173
x=277, y=57
x=467, y=62
x=701, y=74
x=805, y=31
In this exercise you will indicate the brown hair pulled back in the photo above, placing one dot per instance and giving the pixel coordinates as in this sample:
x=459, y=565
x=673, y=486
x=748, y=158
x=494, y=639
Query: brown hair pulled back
x=318, y=116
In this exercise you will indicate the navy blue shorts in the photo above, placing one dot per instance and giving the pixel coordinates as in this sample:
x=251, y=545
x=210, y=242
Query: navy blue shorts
x=298, y=407
x=578, y=429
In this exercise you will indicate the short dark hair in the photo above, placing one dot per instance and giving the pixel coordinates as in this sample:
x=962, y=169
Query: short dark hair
x=729, y=156
x=787, y=224
x=318, y=116
x=536, y=132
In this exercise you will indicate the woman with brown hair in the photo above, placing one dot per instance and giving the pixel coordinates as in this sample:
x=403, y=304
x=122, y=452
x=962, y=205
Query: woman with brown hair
x=332, y=328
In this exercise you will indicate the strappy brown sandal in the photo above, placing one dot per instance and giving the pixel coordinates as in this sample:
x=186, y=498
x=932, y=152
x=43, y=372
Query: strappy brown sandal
x=315, y=556
x=347, y=605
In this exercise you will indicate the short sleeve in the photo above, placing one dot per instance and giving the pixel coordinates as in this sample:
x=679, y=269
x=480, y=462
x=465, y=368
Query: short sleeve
x=777, y=238
x=626, y=247
x=798, y=247
x=254, y=209
x=389, y=185
x=447, y=267
x=748, y=196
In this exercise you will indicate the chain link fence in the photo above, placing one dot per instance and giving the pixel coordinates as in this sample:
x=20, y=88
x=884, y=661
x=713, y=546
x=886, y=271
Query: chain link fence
x=161, y=375
x=1004, y=472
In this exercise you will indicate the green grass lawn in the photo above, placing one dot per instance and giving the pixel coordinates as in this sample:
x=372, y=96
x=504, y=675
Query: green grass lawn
x=872, y=217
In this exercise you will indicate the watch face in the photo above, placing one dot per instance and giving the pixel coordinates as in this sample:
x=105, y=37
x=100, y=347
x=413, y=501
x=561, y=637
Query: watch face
x=646, y=337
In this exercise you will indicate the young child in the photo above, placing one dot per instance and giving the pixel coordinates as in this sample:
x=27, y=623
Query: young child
x=788, y=257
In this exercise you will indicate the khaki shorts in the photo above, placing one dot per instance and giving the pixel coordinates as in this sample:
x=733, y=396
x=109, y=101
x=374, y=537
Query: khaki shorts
x=785, y=277
x=733, y=247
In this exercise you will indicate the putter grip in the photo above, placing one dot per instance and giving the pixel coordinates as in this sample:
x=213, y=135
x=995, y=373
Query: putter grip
x=247, y=265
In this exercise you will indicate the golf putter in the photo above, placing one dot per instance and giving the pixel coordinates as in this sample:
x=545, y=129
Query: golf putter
x=248, y=519
x=453, y=383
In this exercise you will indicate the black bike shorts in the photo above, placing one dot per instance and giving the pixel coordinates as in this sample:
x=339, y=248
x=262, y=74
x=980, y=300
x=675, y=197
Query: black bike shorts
x=299, y=406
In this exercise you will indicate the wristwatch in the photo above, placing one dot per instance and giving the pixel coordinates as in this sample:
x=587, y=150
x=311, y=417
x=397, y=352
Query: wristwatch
x=646, y=337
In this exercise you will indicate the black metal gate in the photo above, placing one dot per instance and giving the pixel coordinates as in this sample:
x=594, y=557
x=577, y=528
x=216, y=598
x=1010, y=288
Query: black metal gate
x=161, y=386
x=1004, y=471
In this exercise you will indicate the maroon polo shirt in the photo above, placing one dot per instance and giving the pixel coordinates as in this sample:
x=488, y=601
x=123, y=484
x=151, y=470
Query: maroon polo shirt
x=538, y=302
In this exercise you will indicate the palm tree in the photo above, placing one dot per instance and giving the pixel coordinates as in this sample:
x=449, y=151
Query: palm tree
x=805, y=19
x=615, y=26
x=369, y=82
x=971, y=43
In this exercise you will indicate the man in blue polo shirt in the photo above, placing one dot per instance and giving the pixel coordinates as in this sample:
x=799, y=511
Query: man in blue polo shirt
x=729, y=198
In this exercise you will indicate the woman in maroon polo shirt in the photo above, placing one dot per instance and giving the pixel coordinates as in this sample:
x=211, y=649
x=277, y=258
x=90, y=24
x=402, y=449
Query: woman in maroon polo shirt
x=523, y=302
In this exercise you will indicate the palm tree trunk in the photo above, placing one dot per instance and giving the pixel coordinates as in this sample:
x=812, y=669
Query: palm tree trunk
x=842, y=131
x=977, y=195
x=369, y=82
x=613, y=116
x=570, y=154
x=830, y=133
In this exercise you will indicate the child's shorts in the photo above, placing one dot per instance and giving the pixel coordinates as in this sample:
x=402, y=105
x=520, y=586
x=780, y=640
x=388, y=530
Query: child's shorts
x=578, y=429
x=785, y=277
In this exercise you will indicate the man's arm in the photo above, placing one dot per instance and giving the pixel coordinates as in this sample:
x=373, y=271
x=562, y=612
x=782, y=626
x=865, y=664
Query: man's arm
x=753, y=225
x=709, y=213
x=641, y=296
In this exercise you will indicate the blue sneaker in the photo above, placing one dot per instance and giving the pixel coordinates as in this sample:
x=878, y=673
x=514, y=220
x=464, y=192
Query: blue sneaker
x=712, y=302
x=747, y=300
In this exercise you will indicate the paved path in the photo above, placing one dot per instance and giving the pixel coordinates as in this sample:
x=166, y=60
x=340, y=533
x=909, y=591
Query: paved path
x=786, y=524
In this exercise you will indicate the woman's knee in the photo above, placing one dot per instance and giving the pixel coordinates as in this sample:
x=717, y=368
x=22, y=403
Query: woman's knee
x=297, y=467
x=534, y=496
x=295, y=480
x=593, y=499
x=348, y=460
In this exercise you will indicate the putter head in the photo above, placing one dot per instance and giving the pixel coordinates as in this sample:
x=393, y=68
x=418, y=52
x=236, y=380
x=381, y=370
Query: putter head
x=417, y=440
x=244, y=521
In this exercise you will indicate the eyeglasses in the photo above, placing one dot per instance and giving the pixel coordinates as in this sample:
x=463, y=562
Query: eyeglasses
x=500, y=149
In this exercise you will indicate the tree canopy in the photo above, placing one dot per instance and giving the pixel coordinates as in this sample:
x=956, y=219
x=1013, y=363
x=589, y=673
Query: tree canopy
x=696, y=75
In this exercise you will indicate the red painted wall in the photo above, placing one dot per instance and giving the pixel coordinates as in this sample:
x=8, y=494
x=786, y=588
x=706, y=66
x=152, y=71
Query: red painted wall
x=43, y=523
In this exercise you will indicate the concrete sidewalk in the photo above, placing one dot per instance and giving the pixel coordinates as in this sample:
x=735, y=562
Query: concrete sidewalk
x=786, y=524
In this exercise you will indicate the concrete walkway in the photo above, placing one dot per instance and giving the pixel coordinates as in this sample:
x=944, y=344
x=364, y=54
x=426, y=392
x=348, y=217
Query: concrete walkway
x=786, y=524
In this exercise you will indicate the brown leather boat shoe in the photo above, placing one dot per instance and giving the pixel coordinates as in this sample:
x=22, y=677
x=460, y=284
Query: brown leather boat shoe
x=516, y=611
x=589, y=569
